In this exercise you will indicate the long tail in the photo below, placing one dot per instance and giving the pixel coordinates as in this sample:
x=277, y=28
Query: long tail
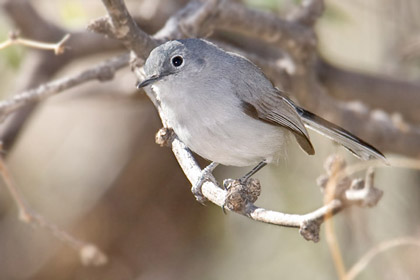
x=357, y=146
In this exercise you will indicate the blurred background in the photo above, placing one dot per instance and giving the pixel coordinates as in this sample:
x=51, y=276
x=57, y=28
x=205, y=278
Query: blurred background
x=86, y=160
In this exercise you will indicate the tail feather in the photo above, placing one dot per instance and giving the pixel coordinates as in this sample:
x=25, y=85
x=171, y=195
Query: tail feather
x=354, y=144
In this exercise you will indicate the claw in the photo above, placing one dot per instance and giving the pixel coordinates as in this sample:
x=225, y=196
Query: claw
x=206, y=175
x=227, y=183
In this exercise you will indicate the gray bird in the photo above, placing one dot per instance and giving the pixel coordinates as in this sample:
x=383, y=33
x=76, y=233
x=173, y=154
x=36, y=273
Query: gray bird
x=225, y=109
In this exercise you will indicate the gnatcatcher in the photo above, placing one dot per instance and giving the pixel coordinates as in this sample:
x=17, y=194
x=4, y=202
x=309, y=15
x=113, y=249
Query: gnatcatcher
x=226, y=110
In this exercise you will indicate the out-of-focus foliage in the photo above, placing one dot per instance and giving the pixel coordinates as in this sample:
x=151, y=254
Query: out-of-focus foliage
x=73, y=13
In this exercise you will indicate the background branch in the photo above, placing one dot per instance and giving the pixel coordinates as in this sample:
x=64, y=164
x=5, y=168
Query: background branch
x=364, y=261
x=308, y=12
x=14, y=39
x=374, y=91
x=126, y=30
x=45, y=64
x=102, y=72
x=89, y=253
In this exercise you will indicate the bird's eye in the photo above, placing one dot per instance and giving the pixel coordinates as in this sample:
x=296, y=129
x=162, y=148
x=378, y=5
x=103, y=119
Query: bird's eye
x=177, y=61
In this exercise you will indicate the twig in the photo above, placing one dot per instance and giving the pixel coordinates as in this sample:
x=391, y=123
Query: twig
x=15, y=39
x=334, y=166
x=364, y=261
x=88, y=253
x=102, y=26
x=307, y=223
x=334, y=248
x=337, y=184
x=29, y=21
x=102, y=72
x=339, y=177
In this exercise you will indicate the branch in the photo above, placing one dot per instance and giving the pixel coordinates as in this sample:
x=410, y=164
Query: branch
x=297, y=39
x=43, y=65
x=389, y=132
x=102, y=72
x=30, y=22
x=373, y=90
x=200, y=18
x=196, y=19
x=126, y=30
x=308, y=224
x=15, y=39
x=88, y=253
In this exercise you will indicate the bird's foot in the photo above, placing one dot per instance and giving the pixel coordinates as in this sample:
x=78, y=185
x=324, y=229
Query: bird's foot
x=243, y=181
x=206, y=175
x=240, y=193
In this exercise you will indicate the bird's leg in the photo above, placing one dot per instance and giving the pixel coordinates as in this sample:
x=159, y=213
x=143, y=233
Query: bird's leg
x=254, y=170
x=242, y=191
x=206, y=175
x=244, y=179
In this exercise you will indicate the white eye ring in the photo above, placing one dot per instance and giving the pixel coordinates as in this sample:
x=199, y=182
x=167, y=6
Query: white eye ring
x=177, y=61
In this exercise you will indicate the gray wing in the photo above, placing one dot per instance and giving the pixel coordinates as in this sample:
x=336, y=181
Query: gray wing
x=261, y=100
x=272, y=107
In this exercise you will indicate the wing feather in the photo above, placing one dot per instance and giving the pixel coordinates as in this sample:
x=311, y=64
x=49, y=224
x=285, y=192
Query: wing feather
x=279, y=111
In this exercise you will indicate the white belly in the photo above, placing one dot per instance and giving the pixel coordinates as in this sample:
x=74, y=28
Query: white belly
x=235, y=142
x=222, y=132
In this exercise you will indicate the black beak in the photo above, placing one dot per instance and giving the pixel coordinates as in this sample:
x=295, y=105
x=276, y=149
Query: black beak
x=148, y=81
